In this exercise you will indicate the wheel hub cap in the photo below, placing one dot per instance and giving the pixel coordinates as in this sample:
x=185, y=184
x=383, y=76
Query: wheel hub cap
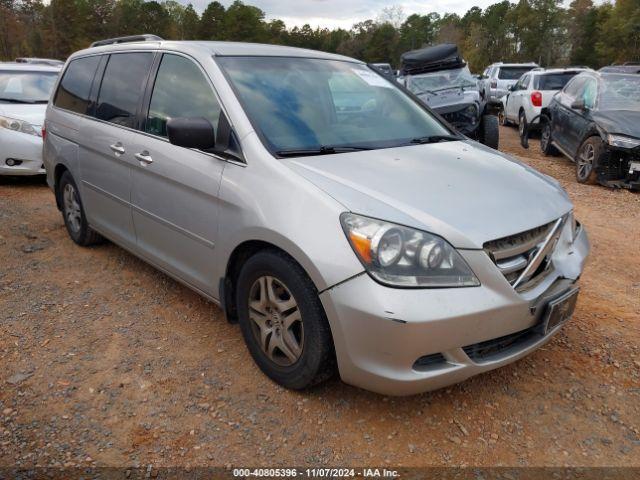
x=276, y=321
x=72, y=210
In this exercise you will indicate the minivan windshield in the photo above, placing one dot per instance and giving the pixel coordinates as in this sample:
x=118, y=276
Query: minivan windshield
x=327, y=106
x=18, y=86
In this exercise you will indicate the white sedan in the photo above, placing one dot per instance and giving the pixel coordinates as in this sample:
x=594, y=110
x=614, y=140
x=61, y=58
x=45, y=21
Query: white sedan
x=24, y=93
x=533, y=92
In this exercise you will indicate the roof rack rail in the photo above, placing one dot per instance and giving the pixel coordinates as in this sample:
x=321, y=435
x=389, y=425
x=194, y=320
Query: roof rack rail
x=131, y=38
x=633, y=64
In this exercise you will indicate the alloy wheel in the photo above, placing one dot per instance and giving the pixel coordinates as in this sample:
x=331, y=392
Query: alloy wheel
x=585, y=161
x=545, y=137
x=276, y=321
x=72, y=210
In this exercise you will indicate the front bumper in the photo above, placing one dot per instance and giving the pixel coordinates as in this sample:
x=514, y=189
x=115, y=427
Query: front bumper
x=26, y=149
x=382, y=334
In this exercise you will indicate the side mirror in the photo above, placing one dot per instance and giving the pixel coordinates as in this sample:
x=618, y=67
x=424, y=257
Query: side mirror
x=191, y=132
x=578, y=104
x=512, y=88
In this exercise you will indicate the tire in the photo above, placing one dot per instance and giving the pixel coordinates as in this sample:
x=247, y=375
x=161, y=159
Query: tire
x=502, y=118
x=522, y=123
x=73, y=213
x=490, y=131
x=298, y=353
x=545, y=140
x=587, y=160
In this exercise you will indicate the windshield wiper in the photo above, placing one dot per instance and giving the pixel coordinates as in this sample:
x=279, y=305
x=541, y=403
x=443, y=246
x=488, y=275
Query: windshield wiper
x=322, y=150
x=435, y=139
x=15, y=100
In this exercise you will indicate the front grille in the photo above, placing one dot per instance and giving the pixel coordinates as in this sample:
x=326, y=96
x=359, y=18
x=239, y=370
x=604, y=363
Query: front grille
x=497, y=347
x=525, y=258
x=462, y=120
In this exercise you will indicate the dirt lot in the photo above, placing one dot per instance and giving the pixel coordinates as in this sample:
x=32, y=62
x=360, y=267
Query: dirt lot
x=107, y=362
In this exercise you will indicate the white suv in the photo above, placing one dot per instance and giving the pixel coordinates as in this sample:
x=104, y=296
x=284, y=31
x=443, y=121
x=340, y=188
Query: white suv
x=533, y=92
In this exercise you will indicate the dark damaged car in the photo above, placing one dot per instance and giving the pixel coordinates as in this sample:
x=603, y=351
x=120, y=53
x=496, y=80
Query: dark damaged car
x=440, y=78
x=595, y=121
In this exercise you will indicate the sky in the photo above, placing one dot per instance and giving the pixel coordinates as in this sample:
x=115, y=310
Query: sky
x=344, y=13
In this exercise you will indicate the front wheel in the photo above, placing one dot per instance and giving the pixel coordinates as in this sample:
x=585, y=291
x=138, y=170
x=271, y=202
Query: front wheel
x=545, y=140
x=283, y=322
x=489, y=131
x=587, y=160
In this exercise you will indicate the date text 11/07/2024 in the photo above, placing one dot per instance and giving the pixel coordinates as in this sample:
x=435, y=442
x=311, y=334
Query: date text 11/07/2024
x=315, y=472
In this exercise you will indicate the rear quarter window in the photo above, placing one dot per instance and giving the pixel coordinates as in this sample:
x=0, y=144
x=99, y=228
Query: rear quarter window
x=75, y=86
x=512, y=73
x=554, y=81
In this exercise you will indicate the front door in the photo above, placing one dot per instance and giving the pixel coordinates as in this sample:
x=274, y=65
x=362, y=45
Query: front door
x=107, y=153
x=175, y=189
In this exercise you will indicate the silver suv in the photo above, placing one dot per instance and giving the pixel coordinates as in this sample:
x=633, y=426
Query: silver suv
x=498, y=77
x=332, y=215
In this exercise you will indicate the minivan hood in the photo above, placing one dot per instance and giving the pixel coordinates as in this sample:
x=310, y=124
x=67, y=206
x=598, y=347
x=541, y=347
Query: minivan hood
x=34, y=114
x=625, y=122
x=463, y=191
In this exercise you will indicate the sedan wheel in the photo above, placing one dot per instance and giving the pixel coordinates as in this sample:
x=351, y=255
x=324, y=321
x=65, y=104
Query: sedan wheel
x=276, y=321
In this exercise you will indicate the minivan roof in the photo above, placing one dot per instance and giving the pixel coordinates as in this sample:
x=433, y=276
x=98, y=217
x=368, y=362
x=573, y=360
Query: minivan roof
x=218, y=49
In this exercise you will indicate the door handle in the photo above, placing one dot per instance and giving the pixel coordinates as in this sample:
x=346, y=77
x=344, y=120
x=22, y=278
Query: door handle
x=144, y=158
x=117, y=148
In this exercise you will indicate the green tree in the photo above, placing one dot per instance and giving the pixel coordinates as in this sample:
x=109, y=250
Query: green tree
x=244, y=23
x=212, y=22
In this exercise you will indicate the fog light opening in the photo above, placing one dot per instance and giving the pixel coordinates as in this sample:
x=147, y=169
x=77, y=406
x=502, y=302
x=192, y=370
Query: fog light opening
x=12, y=162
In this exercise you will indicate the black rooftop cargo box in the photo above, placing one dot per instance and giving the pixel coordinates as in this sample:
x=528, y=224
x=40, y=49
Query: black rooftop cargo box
x=438, y=57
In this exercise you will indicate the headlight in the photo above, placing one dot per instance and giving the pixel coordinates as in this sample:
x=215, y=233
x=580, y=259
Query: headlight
x=471, y=112
x=19, y=126
x=404, y=257
x=622, y=141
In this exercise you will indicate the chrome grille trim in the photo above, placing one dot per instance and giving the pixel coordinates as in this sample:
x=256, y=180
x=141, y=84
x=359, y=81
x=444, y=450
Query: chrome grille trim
x=524, y=258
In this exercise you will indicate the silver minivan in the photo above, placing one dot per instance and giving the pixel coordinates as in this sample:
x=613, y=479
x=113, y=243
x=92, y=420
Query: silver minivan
x=331, y=214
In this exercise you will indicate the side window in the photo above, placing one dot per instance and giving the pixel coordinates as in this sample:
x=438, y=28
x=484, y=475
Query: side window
x=180, y=90
x=571, y=89
x=122, y=87
x=589, y=93
x=522, y=83
x=75, y=86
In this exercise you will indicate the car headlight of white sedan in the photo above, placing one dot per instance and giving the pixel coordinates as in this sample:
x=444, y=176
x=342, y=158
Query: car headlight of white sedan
x=21, y=126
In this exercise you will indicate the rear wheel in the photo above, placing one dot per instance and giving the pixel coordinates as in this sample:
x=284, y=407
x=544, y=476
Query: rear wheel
x=73, y=213
x=502, y=118
x=283, y=322
x=587, y=160
x=545, y=140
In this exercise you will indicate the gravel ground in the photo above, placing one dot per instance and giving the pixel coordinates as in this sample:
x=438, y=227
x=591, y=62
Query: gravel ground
x=107, y=362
